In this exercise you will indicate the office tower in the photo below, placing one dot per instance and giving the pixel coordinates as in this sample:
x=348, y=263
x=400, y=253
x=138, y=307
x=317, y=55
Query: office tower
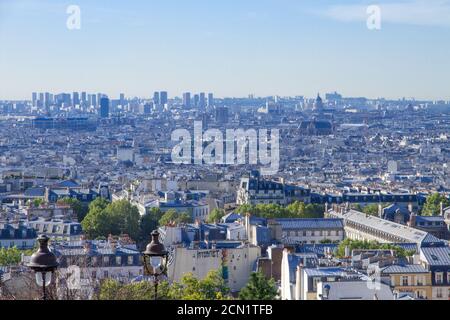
x=122, y=99
x=34, y=99
x=76, y=98
x=147, y=108
x=41, y=99
x=163, y=97
x=196, y=100
x=202, y=102
x=187, y=100
x=83, y=97
x=104, y=107
x=94, y=100
x=156, y=98
x=47, y=100
x=221, y=115
x=210, y=100
x=99, y=97
x=89, y=99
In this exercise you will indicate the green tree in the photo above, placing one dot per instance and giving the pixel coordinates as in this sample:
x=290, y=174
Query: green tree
x=371, y=209
x=113, y=290
x=215, y=215
x=259, y=288
x=116, y=218
x=169, y=217
x=148, y=223
x=212, y=287
x=10, y=256
x=432, y=206
x=77, y=206
x=370, y=245
x=184, y=218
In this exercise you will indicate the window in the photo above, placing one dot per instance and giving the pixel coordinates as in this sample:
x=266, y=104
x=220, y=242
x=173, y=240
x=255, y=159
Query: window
x=404, y=281
x=94, y=261
x=106, y=260
x=105, y=274
x=313, y=233
x=439, y=278
x=439, y=293
x=94, y=274
x=118, y=261
x=130, y=260
x=420, y=280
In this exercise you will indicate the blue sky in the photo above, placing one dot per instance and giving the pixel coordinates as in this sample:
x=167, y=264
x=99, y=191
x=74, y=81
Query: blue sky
x=229, y=47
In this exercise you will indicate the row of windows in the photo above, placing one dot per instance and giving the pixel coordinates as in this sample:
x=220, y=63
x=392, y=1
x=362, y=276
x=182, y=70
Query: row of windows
x=105, y=260
x=313, y=233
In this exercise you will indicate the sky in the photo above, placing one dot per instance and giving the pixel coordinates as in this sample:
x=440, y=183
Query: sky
x=230, y=47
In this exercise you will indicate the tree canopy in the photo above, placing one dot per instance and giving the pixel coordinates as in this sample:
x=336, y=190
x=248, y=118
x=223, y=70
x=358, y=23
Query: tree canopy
x=215, y=215
x=259, y=288
x=212, y=287
x=294, y=210
x=115, y=218
x=371, y=245
x=432, y=206
x=172, y=217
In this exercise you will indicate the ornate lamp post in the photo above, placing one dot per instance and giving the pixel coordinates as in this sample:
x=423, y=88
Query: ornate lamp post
x=155, y=260
x=43, y=263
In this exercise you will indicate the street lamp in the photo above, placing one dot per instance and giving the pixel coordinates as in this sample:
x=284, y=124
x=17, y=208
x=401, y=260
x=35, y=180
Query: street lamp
x=155, y=260
x=43, y=263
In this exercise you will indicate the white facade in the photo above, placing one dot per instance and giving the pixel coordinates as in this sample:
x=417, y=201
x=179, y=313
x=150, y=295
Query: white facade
x=239, y=263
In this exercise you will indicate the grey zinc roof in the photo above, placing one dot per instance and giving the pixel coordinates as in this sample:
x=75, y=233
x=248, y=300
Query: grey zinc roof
x=408, y=268
x=287, y=224
x=406, y=233
x=358, y=290
x=439, y=256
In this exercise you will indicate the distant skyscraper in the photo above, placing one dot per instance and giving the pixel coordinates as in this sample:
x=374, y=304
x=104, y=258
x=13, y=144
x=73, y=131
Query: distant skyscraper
x=83, y=97
x=210, y=100
x=221, y=115
x=34, y=99
x=104, y=107
x=99, y=97
x=41, y=99
x=202, y=102
x=122, y=99
x=187, y=100
x=94, y=100
x=196, y=100
x=163, y=96
x=147, y=108
x=156, y=98
x=47, y=100
x=76, y=98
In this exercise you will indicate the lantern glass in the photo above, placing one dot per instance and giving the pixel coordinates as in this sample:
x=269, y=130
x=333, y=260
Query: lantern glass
x=156, y=262
x=40, y=278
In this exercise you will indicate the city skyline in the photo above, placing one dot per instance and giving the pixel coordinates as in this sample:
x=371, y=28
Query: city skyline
x=232, y=49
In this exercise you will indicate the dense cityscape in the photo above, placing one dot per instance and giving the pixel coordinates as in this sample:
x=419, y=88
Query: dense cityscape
x=358, y=209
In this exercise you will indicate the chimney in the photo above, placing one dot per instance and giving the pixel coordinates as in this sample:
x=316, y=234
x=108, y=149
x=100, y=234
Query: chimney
x=412, y=220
